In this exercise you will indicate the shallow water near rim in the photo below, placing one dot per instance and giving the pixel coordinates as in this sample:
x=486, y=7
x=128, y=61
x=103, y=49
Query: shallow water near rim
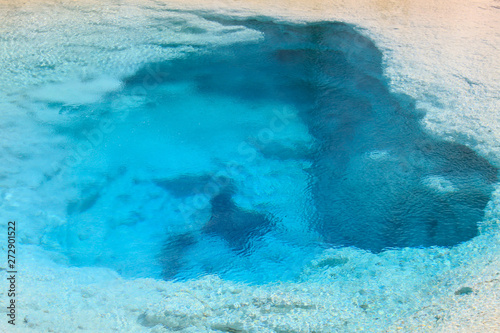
x=247, y=160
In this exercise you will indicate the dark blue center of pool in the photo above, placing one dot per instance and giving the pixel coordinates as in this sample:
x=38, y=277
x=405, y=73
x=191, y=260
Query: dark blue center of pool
x=377, y=179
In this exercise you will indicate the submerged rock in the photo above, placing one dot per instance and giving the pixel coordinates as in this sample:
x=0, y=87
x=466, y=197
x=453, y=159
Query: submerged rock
x=238, y=227
x=464, y=291
x=234, y=224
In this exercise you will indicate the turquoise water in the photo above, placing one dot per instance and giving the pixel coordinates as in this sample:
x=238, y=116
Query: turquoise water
x=248, y=160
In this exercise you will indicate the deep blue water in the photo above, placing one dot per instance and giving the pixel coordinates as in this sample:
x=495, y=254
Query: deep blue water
x=175, y=185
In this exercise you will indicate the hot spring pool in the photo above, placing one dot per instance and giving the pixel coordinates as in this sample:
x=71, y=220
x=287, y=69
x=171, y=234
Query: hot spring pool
x=202, y=172
x=248, y=160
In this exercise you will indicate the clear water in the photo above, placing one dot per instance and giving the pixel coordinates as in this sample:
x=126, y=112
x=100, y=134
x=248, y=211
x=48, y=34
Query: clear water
x=247, y=160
